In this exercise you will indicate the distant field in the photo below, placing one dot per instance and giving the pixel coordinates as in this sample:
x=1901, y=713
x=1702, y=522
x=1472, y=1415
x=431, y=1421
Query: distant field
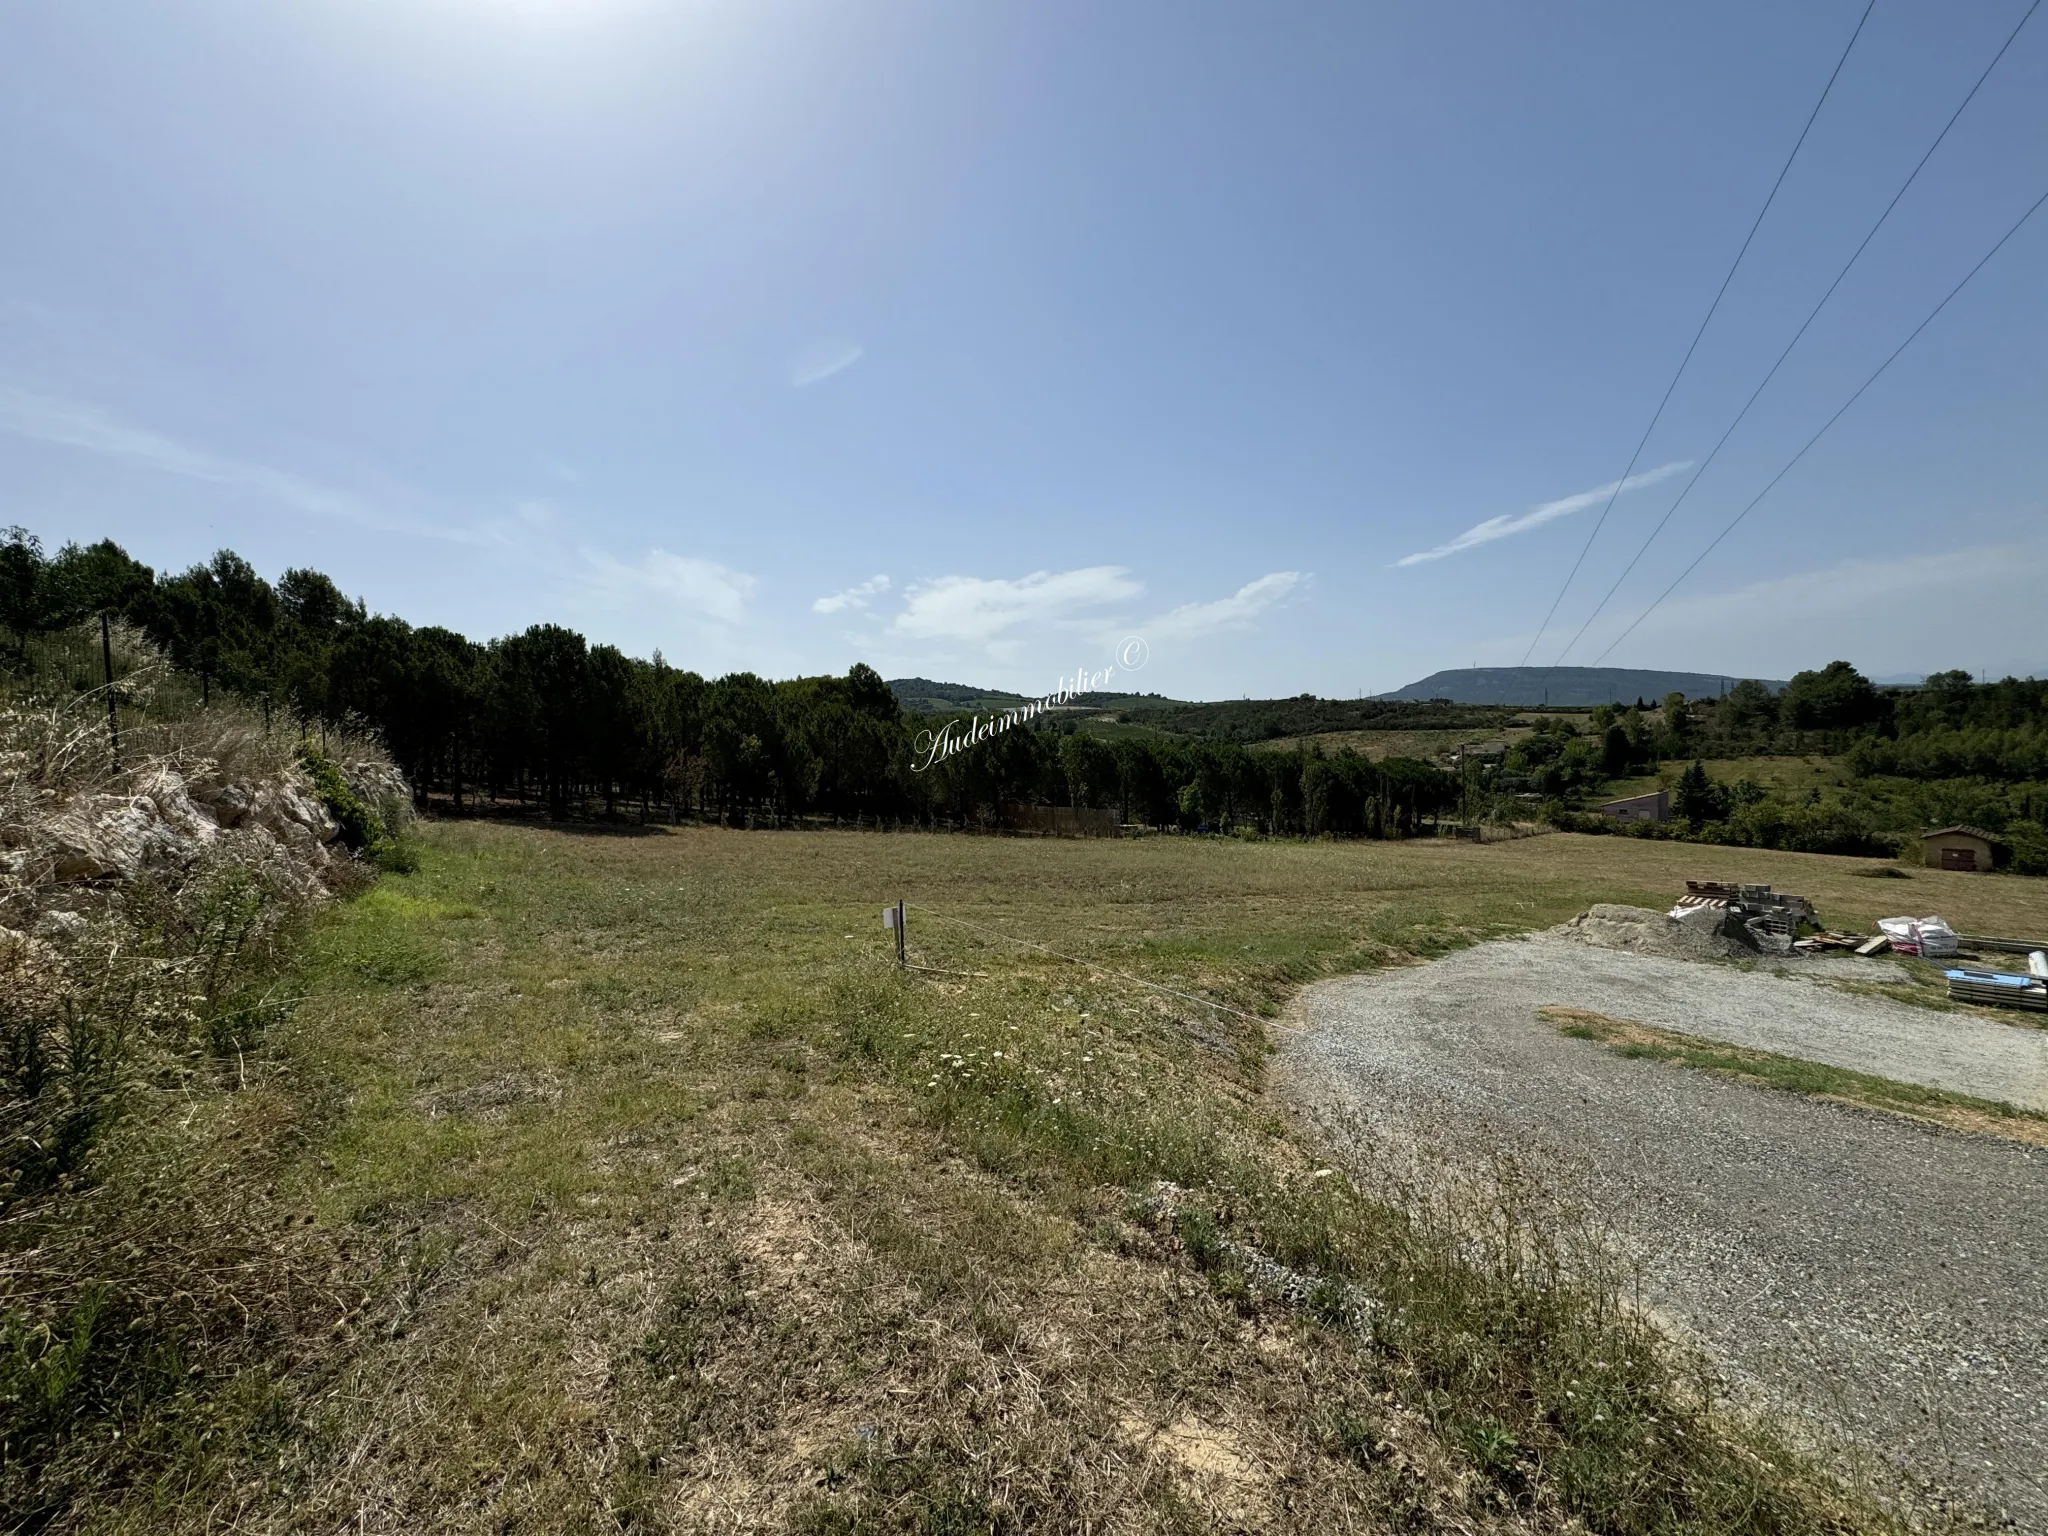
x=1791, y=775
x=675, y=1205
x=1428, y=744
x=1382, y=744
x=1106, y=725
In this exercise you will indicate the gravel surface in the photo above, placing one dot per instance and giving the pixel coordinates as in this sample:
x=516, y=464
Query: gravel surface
x=1772, y=1005
x=1886, y=1281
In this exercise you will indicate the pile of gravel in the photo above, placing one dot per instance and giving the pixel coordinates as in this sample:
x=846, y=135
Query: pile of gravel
x=1644, y=932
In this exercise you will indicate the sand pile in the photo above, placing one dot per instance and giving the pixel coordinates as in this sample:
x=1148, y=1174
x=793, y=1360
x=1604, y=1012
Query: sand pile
x=1645, y=932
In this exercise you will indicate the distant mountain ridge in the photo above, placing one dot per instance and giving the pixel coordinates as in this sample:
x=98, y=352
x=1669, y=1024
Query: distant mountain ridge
x=1509, y=687
x=1571, y=687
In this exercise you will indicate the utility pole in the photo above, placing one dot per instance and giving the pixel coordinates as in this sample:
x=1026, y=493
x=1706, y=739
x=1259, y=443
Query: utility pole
x=107, y=661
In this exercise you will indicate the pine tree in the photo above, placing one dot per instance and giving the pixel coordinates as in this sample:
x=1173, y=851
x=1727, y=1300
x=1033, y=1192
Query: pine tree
x=1700, y=799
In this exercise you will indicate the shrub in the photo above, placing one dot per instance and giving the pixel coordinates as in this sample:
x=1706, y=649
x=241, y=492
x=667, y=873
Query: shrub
x=361, y=831
x=2027, y=843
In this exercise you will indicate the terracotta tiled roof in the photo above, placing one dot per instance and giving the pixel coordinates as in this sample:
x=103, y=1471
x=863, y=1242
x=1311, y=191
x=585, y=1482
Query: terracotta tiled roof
x=1966, y=831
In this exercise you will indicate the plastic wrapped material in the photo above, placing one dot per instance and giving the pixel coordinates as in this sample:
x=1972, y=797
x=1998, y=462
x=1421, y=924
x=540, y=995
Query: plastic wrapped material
x=1997, y=989
x=1928, y=936
x=1904, y=932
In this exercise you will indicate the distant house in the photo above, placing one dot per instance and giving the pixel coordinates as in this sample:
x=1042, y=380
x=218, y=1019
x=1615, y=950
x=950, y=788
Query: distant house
x=1970, y=848
x=1655, y=807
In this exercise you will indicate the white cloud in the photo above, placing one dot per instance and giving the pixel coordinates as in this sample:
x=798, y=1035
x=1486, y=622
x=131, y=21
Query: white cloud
x=852, y=597
x=1234, y=611
x=815, y=364
x=81, y=426
x=703, y=588
x=1507, y=525
x=975, y=609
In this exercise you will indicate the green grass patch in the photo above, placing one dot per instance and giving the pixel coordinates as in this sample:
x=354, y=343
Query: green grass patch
x=1792, y=1074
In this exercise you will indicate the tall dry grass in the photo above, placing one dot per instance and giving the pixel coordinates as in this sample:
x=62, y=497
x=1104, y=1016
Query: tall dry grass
x=138, y=1247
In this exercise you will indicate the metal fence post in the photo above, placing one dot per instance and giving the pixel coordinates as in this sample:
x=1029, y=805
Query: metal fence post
x=107, y=661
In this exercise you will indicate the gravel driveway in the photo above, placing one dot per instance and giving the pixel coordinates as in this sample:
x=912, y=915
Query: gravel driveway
x=1887, y=1280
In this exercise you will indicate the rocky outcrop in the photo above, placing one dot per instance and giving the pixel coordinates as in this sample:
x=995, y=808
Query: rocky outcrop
x=97, y=835
x=68, y=850
x=170, y=823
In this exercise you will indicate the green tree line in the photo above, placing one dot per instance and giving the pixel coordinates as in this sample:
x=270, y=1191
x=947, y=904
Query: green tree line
x=547, y=720
x=1951, y=750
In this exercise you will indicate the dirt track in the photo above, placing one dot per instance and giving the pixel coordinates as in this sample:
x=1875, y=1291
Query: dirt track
x=1887, y=1280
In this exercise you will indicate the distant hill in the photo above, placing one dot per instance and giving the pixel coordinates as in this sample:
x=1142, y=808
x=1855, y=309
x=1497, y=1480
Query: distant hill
x=922, y=696
x=1573, y=687
x=1254, y=720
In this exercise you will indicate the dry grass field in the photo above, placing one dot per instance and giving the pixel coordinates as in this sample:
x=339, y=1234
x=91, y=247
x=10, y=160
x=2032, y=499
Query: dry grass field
x=654, y=1197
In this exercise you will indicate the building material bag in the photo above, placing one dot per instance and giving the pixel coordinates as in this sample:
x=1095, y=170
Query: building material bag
x=1936, y=938
x=1928, y=936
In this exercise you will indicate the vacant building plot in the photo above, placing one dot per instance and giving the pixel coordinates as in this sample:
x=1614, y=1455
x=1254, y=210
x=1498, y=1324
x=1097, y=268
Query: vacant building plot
x=623, y=1180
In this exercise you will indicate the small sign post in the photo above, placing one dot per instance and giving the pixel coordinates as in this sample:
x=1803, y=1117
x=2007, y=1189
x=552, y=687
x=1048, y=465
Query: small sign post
x=892, y=917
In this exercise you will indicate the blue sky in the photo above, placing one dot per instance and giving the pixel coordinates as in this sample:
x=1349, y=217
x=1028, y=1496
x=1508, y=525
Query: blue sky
x=967, y=339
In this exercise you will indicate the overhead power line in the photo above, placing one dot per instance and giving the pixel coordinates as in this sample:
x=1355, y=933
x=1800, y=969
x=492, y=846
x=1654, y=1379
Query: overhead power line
x=1601, y=606
x=1874, y=377
x=1721, y=293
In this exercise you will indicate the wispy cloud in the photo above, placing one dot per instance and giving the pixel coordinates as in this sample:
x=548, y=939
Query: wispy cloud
x=978, y=609
x=1232, y=612
x=1507, y=525
x=73, y=425
x=815, y=364
x=702, y=589
x=852, y=597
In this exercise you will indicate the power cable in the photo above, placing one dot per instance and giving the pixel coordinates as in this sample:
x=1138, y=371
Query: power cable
x=1881, y=367
x=1721, y=293
x=1796, y=335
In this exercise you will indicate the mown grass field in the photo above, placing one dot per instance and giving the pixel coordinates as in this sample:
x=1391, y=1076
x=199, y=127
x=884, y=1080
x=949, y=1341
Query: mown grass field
x=1786, y=775
x=652, y=1196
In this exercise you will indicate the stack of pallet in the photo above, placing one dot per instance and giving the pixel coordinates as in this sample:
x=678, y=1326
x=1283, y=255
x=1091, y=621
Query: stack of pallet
x=1998, y=989
x=1757, y=907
